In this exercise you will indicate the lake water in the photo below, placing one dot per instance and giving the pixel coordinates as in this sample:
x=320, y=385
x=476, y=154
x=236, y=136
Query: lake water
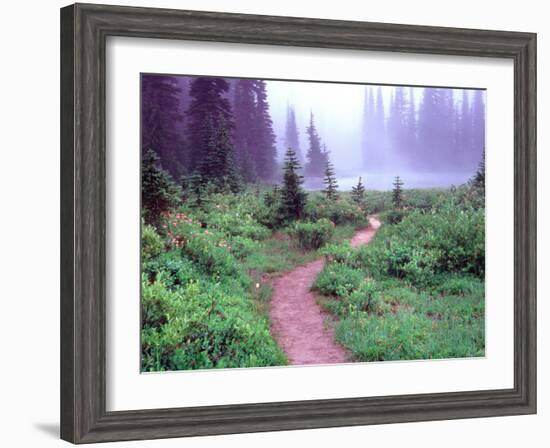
x=384, y=181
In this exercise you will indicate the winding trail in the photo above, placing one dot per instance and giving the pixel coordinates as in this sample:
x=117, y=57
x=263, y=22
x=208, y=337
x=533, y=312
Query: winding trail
x=298, y=322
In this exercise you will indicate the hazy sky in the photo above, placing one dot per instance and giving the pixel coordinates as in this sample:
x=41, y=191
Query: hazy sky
x=338, y=109
x=437, y=142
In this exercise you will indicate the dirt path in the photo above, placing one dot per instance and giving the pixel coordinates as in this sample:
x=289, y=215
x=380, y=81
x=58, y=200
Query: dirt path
x=298, y=322
x=365, y=235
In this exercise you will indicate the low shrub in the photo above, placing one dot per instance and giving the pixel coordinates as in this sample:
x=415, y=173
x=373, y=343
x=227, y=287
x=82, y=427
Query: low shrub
x=204, y=325
x=211, y=257
x=459, y=285
x=393, y=216
x=234, y=215
x=313, y=235
x=424, y=245
x=339, y=253
x=366, y=298
x=338, y=279
x=242, y=247
x=151, y=242
x=209, y=248
x=416, y=264
x=341, y=211
x=174, y=269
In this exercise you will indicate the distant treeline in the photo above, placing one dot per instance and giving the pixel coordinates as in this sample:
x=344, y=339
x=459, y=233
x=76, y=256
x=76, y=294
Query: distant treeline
x=440, y=128
x=220, y=129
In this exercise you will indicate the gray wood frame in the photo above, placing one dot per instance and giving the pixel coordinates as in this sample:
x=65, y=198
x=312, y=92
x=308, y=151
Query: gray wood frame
x=84, y=29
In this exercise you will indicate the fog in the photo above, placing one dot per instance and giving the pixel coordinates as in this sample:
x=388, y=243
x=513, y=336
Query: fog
x=430, y=137
x=358, y=126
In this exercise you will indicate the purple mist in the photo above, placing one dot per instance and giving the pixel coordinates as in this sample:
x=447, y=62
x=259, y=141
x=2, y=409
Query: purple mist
x=430, y=137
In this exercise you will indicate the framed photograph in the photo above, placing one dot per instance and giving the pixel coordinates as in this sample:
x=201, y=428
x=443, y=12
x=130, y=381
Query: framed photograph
x=275, y=223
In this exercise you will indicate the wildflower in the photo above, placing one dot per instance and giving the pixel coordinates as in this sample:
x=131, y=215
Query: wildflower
x=257, y=285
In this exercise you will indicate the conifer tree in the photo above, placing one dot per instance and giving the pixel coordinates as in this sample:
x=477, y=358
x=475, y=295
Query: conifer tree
x=315, y=160
x=358, y=194
x=253, y=136
x=293, y=197
x=464, y=129
x=271, y=197
x=159, y=192
x=193, y=187
x=477, y=124
x=244, y=111
x=401, y=140
x=226, y=168
x=265, y=137
x=331, y=185
x=208, y=99
x=397, y=193
x=292, y=137
x=479, y=177
x=162, y=121
x=380, y=126
x=217, y=167
x=366, y=137
x=435, y=129
x=374, y=129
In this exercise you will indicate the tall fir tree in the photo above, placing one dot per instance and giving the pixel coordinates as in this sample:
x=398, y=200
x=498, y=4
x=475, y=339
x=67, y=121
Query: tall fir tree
x=208, y=98
x=464, y=130
x=162, y=121
x=293, y=197
x=455, y=156
x=478, y=123
x=368, y=106
x=265, y=137
x=435, y=131
x=400, y=126
x=159, y=192
x=479, y=177
x=379, y=123
x=183, y=83
x=373, y=129
x=244, y=107
x=358, y=194
x=253, y=136
x=331, y=185
x=217, y=166
x=397, y=193
x=292, y=136
x=412, y=130
x=315, y=160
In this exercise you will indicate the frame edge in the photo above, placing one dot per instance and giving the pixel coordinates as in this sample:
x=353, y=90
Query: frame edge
x=67, y=308
x=83, y=416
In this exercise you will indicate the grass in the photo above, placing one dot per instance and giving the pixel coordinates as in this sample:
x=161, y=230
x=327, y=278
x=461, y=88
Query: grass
x=412, y=324
x=416, y=291
x=280, y=253
x=206, y=285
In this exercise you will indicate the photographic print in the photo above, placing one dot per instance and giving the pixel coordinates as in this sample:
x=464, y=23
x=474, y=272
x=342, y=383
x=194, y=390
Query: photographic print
x=309, y=223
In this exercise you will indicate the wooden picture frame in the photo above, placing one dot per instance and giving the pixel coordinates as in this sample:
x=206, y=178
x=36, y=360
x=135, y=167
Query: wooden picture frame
x=84, y=29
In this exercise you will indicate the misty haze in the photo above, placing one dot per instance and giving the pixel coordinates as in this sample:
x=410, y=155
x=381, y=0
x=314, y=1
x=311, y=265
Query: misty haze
x=430, y=137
